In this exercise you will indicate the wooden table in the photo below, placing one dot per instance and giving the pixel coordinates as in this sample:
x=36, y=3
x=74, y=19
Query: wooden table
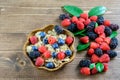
x=19, y=17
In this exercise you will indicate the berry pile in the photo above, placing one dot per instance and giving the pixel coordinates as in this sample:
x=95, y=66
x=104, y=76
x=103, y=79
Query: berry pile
x=100, y=34
x=50, y=49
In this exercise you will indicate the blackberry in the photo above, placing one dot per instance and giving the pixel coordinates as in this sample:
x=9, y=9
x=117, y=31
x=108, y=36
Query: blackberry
x=34, y=54
x=72, y=27
x=114, y=27
x=113, y=43
x=58, y=29
x=111, y=53
x=92, y=35
x=98, y=52
x=108, y=31
x=64, y=16
x=100, y=20
x=90, y=26
x=84, y=63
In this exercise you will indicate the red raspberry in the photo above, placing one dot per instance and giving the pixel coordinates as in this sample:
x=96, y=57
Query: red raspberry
x=81, y=20
x=102, y=35
x=47, y=54
x=94, y=58
x=69, y=40
x=85, y=71
x=107, y=22
x=90, y=52
x=84, y=39
x=74, y=19
x=100, y=29
x=94, y=71
x=65, y=22
x=80, y=25
x=105, y=67
x=93, y=18
x=42, y=49
x=51, y=40
x=33, y=39
x=39, y=61
x=87, y=22
x=104, y=58
x=61, y=55
x=94, y=45
x=84, y=16
x=99, y=40
x=104, y=46
x=107, y=40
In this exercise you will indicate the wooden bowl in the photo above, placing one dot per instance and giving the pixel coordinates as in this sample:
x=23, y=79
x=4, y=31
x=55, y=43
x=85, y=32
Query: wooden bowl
x=45, y=29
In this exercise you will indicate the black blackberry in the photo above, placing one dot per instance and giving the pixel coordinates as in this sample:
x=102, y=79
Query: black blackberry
x=34, y=54
x=58, y=29
x=98, y=52
x=72, y=27
x=64, y=16
x=100, y=20
x=111, y=53
x=108, y=31
x=114, y=27
x=92, y=35
x=113, y=43
x=91, y=26
x=84, y=63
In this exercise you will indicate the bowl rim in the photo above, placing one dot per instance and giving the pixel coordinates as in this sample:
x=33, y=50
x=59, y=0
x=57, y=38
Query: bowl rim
x=43, y=67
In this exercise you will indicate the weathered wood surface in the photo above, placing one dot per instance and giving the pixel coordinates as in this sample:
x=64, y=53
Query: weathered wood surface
x=19, y=17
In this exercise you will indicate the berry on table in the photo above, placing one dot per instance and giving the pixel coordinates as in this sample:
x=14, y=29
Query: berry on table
x=94, y=58
x=94, y=45
x=113, y=43
x=66, y=22
x=99, y=29
x=72, y=27
x=92, y=35
x=108, y=31
x=84, y=39
x=104, y=46
x=86, y=22
x=111, y=53
x=94, y=71
x=99, y=40
x=80, y=25
x=84, y=16
x=58, y=29
x=81, y=20
x=114, y=27
x=100, y=20
x=105, y=67
x=74, y=19
x=63, y=16
x=90, y=52
x=85, y=71
x=98, y=52
x=104, y=58
x=84, y=63
x=93, y=18
x=107, y=22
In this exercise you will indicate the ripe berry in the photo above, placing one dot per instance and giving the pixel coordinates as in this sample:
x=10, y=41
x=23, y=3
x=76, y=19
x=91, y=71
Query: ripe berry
x=81, y=20
x=45, y=41
x=58, y=29
x=100, y=20
x=90, y=52
x=34, y=54
x=114, y=27
x=55, y=45
x=47, y=54
x=107, y=40
x=104, y=46
x=105, y=67
x=113, y=43
x=72, y=27
x=80, y=25
x=65, y=22
x=111, y=53
x=92, y=35
x=50, y=65
x=69, y=40
x=61, y=55
x=42, y=49
x=74, y=19
x=99, y=40
x=61, y=41
x=39, y=61
x=108, y=31
x=94, y=71
x=102, y=35
x=86, y=22
x=68, y=52
x=94, y=45
x=42, y=34
x=104, y=58
x=93, y=18
x=54, y=54
x=33, y=39
x=107, y=23
x=85, y=71
x=84, y=63
x=34, y=48
x=51, y=40
x=98, y=52
x=63, y=16
x=94, y=58
x=100, y=29
x=84, y=16
x=84, y=39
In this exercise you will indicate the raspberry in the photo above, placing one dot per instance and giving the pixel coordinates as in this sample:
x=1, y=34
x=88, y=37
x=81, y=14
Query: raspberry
x=42, y=49
x=50, y=65
x=64, y=16
x=102, y=35
x=81, y=20
x=99, y=40
x=113, y=43
x=55, y=45
x=92, y=35
x=69, y=40
x=98, y=52
x=94, y=45
x=85, y=71
x=34, y=54
x=108, y=31
x=61, y=41
x=105, y=67
x=33, y=39
x=86, y=22
x=39, y=61
x=47, y=54
x=107, y=23
x=94, y=71
x=104, y=58
x=68, y=52
x=100, y=20
x=111, y=53
x=90, y=26
x=72, y=27
x=90, y=52
x=94, y=58
x=84, y=39
x=65, y=22
x=93, y=18
x=80, y=25
x=84, y=63
x=84, y=16
x=51, y=40
x=104, y=46
x=58, y=29
x=74, y=19
x=61, y=55
x=107, y=40
x=114, y=27
x=100, y=29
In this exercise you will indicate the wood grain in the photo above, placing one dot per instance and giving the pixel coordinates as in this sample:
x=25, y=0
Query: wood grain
x=19, y=17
